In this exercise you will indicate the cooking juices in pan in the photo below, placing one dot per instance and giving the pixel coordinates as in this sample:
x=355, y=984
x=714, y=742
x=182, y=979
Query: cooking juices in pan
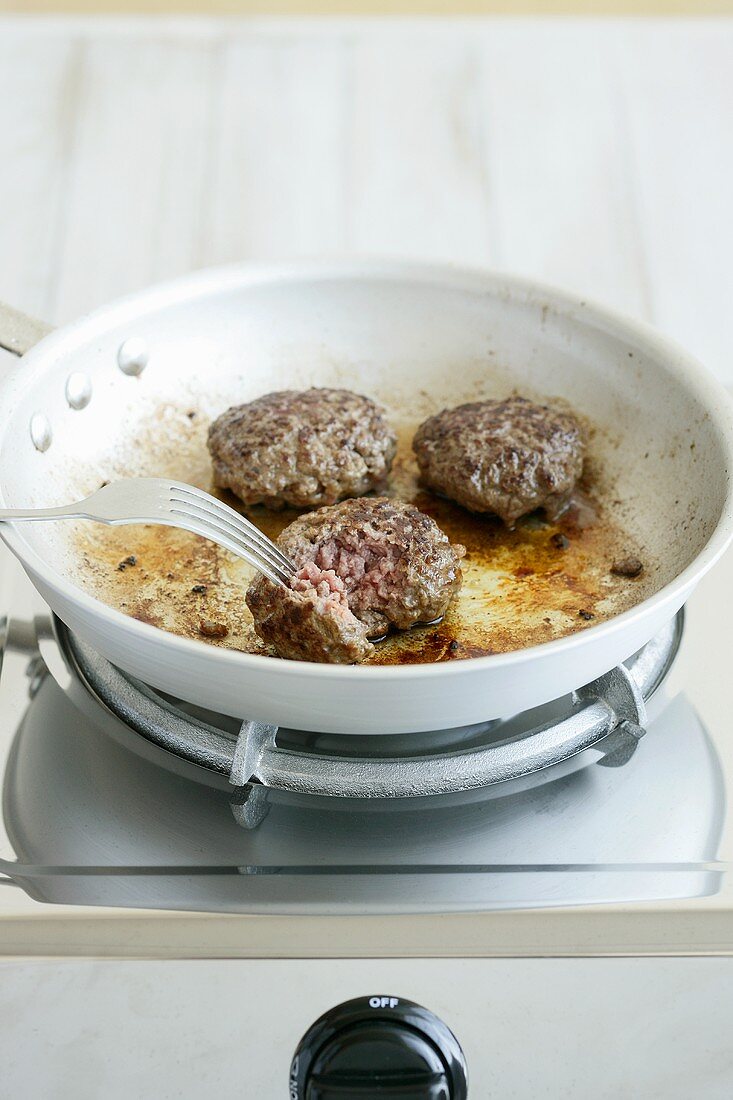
x=520, y=588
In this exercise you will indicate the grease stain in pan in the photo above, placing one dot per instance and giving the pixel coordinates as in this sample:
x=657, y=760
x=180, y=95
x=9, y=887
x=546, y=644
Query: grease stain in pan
x=521, y=588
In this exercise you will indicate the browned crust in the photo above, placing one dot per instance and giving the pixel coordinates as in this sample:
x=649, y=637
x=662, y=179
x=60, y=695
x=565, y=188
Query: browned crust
x=503, y=457
x=303, y=627
x=426, y=574
x=302, y=448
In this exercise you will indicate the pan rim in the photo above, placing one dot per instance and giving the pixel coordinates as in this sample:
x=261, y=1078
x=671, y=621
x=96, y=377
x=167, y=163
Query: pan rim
x=581, y=310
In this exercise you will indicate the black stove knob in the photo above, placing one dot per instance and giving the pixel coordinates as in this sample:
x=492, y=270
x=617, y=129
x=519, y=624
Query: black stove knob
x=378, y=1047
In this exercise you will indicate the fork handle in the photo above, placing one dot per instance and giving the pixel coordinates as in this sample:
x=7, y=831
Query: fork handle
x=65, y=511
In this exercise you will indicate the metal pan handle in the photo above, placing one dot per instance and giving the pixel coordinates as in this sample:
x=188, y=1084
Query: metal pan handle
x=18, y=332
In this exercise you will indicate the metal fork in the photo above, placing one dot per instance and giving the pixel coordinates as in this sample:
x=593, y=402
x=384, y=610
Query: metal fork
x=172, y=504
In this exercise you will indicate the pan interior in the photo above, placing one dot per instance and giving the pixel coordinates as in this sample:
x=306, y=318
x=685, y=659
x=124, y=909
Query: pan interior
x=654, y=484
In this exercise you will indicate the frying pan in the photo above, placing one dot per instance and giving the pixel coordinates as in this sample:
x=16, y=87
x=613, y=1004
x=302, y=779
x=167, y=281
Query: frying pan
x=130, y=389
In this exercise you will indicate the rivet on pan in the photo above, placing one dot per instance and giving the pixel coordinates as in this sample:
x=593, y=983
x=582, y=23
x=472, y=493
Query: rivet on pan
x=41, y=433
x=78, y=390
x=132, y=358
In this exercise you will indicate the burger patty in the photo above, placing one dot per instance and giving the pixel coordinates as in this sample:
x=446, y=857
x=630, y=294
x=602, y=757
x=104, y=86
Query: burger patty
x=302, y=448
x=505, y=457
x=311, y=621
x=396, y=566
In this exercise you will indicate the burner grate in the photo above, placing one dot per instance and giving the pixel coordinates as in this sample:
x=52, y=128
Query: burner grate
x=601, y=723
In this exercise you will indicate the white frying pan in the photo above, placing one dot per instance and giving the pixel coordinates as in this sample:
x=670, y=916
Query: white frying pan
x=130, y=390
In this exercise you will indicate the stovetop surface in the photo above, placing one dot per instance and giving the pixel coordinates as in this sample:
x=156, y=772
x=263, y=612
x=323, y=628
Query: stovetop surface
x=88, y=823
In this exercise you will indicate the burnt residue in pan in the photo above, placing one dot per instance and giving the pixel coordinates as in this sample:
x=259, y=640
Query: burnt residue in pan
x=540, y=581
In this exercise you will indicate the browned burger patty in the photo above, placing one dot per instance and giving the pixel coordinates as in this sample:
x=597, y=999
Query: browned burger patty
x=310, y=622
x=506, y=457
x=396, y=566
x=302, y=448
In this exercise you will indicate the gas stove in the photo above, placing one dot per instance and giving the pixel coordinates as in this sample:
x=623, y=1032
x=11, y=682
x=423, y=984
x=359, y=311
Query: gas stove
x=136, y=825
x=115, y=795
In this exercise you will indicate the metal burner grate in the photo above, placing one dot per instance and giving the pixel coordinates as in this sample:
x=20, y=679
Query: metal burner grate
x=602, y=722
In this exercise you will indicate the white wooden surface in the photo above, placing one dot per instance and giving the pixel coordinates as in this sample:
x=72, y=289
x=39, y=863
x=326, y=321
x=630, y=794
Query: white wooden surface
x=556, y=1029
x=596, y=154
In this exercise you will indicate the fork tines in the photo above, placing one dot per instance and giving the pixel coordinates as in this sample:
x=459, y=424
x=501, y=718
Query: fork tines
x=210, y=512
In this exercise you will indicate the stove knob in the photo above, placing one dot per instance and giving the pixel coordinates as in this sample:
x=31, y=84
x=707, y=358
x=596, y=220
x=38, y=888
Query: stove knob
x=376, y=1047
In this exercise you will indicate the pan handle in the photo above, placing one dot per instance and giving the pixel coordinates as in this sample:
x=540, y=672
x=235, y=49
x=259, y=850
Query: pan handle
x=18, y=332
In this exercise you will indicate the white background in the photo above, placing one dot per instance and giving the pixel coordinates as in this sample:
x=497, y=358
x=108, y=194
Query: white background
x=582, y=1029
x=597, y=155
